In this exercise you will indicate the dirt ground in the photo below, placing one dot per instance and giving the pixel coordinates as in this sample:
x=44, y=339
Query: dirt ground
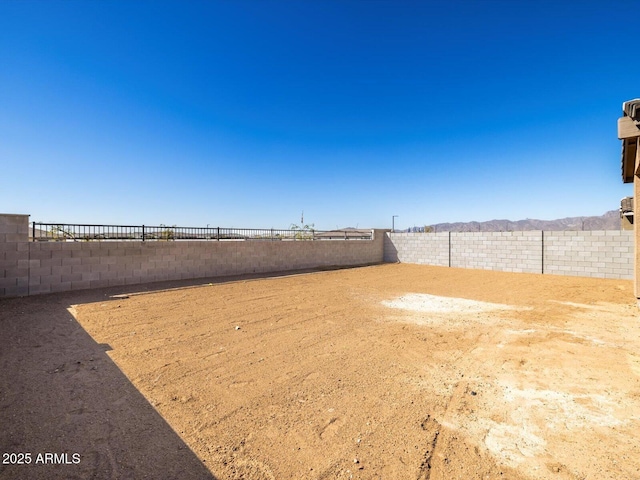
x=384, y=372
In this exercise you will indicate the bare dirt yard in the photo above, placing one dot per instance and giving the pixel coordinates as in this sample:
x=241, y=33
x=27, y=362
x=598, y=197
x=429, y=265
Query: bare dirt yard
x=384, y=372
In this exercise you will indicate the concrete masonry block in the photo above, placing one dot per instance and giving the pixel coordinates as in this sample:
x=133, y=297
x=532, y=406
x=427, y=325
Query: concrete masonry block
x=162, y=264
x=108, y=260
x=69, y=247
x=114, y=251
x=99, y=283
x=89, y=276
x=115, y=282
x=49, y=279
x=10, y=247
x=40, y=254
x=90, y=260
x=622, y=271
x=89, y=246
x=13, y=271
x=161, y=277
x=46, y=246
x=12, y=238
x=620, y=260
x=49, y=262
x=98, y=268
x=73, y=277
x=131, y=280
x=6, y=282
x=39, y=289
x=9, y=256
x=623, y=249
x=619, y=276
x=12, y=228
x=79, y=268
x=108, y=275
x=61, y=270
x=120, y=269
x=130, y=267
x=23, y=230
x=15, y=219
x=37, y=271
x=79, y=252
x=142, y=274
x=80, y=285
x=63, y=253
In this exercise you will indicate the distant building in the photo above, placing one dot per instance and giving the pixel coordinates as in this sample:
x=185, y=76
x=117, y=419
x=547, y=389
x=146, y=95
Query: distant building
x=344, y=233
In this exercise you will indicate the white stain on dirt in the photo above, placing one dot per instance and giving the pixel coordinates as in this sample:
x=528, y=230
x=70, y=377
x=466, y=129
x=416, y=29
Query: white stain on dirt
x=422, y=302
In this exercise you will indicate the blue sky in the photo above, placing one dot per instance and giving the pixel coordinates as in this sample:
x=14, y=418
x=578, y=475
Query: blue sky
x=245, y=113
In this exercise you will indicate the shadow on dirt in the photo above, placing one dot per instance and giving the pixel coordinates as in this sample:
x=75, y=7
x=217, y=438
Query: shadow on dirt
x=99, y=295
x=67, y=405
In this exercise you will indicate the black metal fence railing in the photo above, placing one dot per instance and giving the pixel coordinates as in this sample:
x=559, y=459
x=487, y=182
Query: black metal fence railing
x=59, y=232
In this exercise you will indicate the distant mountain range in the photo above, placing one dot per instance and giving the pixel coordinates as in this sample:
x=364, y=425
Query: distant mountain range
x=608, y=221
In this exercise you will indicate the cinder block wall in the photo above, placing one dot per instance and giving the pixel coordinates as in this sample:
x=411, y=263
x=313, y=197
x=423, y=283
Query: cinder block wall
x=604, y=254
x=505, y=251
x=14, y=255
x=61, y=266
x=427, y=249
x=31, y=268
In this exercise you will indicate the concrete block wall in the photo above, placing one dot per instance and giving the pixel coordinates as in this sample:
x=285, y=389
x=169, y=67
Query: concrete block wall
x=62, y=266
x=14, y=255
x=504, y=251
x=427, y=249
x=31, y=268
x=603, y=254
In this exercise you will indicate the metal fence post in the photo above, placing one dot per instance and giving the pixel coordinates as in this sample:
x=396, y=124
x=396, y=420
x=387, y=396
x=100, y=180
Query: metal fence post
x=143, y=233
x=542, y=248
x=218, y=235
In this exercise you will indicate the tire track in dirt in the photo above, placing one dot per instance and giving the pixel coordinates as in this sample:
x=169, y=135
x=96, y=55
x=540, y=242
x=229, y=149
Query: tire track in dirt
x=432, y=427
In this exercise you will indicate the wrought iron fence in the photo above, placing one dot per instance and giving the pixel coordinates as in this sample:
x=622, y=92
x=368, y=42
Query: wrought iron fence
x=60, y=232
